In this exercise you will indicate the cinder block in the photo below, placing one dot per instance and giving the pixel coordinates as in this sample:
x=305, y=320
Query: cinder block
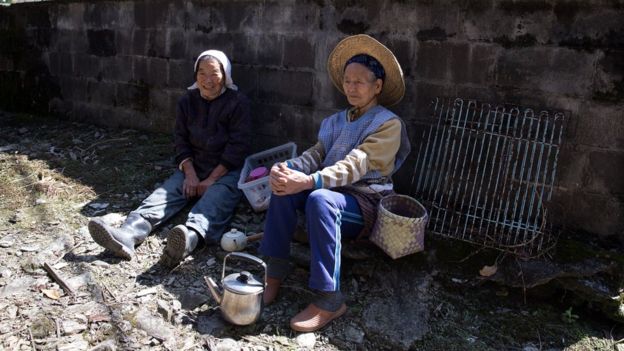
x=53, y=59
x=245, y=49
x=546, y=70
x=298, y=52
x=270, y=48
x=608, y=85
x=68, y=16
x=290, y=17
x=433, y=61
x=571, y=168
x=594, y=213
x=599, y=125
x=247, y=79
x=157, y=43
x=86, y=65
x=234, y=16
x=286, y=87
x=61, y=40
x=140, y=40
x=87, y=112
x=158, y=72
x=74, y=88
x=103, y=93
x=101, y=42
x=124, y=42
x=404, y=53
x=140, y=69
x=176, y=44
x=39, y=37
x=604, y=172
x=37, y=16
x=67, y=64
x=118, y=68
x=101, y=15
x=153, y=14
x=473, y=64
x=159, y=102
x=180, y=73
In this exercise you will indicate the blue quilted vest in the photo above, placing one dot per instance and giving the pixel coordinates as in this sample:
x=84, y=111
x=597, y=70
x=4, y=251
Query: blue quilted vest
x=339, y=137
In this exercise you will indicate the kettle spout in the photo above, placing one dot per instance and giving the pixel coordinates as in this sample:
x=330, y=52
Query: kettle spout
x=214, y=289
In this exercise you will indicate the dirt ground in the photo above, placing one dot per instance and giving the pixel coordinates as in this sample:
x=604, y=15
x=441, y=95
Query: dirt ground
x=55, y=175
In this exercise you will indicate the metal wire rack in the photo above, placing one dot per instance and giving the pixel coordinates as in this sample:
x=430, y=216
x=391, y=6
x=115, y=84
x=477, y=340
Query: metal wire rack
x=486, y=172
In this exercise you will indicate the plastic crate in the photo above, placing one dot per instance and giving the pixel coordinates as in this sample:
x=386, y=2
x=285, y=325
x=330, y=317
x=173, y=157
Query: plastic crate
x=258, y=192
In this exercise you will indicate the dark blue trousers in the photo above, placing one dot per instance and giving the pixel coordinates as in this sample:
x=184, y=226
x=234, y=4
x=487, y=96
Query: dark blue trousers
x=330, y=217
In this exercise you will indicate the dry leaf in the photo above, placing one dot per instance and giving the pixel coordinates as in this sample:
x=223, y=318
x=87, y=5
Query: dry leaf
x=488, y=271
x=52, y=293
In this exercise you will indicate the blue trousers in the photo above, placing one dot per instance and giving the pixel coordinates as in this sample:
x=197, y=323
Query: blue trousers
x=330, y=217
x=210, y=214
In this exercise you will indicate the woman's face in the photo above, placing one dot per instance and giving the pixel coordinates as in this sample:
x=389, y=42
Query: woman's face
x=360, y=85
x=210, y=79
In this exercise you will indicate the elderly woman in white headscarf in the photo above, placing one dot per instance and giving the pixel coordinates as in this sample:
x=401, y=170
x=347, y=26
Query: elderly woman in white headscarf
x=212, y=139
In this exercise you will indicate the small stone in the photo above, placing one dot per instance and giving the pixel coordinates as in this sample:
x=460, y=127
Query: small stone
x=154, y=327
x=22, y=130
x=530, y=347
x=227, y=345
x=176, y=305
x=76, y=345
x=164, y=310
x=42, y=327
x=354, y=334
x=98, y=205
x=209, y=324
x=40, y=201
x=148, y=291
x=108, y=345
x=30, y=248
x=12, y=312
x=7, y=241
x=6, y=273
x=306, y=340
x=72, y=327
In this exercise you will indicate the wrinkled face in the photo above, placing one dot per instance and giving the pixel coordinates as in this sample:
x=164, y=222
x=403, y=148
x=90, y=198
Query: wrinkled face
x=210, y=78
x=360, y=85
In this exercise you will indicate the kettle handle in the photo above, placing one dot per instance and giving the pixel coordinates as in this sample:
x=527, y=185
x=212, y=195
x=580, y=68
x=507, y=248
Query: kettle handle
x=248, y=257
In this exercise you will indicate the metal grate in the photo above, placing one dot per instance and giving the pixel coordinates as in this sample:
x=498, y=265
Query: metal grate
x=485, y=173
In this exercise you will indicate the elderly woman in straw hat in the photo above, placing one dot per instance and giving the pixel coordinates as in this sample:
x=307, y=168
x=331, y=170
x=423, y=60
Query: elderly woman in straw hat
x=339, y=181
x=212, y=134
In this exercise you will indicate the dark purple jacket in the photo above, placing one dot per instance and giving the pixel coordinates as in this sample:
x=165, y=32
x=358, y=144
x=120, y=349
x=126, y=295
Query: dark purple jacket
x=213, y=132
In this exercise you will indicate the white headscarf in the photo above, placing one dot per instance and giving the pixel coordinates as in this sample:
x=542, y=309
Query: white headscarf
x=225, y=62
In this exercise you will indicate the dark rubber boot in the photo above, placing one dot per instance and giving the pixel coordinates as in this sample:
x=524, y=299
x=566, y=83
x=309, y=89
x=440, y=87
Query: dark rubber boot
x=120, y=241
x=181, y=241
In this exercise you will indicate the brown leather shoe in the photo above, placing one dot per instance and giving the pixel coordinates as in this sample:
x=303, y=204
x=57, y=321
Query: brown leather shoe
x=313, y=318
x=271, y=290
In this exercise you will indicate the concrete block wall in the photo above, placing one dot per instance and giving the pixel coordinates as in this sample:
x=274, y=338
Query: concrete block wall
x=125, y=63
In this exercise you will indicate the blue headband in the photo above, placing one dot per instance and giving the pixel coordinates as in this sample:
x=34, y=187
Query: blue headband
x=371, y=63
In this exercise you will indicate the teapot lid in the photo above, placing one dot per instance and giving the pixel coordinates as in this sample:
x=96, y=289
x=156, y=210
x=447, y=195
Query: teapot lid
x=243, y=283
x=234, y=232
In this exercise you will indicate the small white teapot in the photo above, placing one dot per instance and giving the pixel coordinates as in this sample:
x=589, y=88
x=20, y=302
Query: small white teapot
x=235, y=240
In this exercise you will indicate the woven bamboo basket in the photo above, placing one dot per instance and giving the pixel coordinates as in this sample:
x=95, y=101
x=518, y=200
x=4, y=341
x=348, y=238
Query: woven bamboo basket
x=400, y=226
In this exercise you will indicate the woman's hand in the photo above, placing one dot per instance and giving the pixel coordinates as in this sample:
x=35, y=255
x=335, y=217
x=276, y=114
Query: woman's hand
x=286, y=181
x=190, y=186
x=203, y=185
x=191, y=182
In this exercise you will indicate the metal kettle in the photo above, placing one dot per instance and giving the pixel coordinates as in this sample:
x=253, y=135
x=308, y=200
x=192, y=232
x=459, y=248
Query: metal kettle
x=241, y=300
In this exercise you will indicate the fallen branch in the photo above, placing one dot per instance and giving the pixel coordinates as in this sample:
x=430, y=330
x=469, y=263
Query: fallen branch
x=102, y=142
x=57, y=278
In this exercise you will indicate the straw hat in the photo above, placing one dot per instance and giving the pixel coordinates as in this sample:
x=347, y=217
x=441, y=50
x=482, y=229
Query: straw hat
x=394, y=85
